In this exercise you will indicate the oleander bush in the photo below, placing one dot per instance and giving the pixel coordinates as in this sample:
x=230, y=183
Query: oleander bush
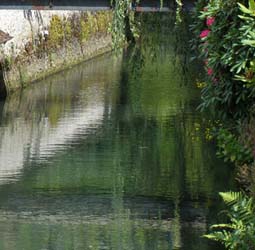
x=224, y=36
x=224, y=32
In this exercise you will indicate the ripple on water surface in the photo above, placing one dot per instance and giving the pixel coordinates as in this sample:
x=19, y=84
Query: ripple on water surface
x=110, y=155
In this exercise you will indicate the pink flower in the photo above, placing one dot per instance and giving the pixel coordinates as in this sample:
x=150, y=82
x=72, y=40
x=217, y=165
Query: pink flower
x=209, y=71
x=204, y=33
x=210, y=21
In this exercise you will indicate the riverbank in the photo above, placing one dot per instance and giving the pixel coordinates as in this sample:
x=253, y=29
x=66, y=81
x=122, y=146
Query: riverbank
x=45, y=42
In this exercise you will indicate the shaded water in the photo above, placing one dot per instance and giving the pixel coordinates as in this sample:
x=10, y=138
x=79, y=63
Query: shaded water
x=111, y=154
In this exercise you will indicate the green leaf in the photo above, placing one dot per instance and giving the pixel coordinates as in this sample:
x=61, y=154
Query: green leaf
x=217, y=226
x=248, y=42
x=232, y=158
x=252, y=5
x=229, y=197
x=244, y=9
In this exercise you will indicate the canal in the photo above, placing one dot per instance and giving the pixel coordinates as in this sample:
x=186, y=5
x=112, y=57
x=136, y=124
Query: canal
x=112, y=153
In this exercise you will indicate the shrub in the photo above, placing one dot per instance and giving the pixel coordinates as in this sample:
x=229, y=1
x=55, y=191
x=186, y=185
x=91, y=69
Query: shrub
x=239, y=233
x=231, y=149
x=56, y=32
x=227, y=56
x=248, y=40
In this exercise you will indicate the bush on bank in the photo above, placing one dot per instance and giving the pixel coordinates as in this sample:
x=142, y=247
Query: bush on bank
x=223, y=29
x=225, y=39
x=239, y=232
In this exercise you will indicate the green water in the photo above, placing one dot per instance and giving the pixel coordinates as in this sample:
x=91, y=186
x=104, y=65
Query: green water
x=111, y=154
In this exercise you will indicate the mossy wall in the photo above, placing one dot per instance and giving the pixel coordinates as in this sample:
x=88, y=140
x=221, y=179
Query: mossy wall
x=64, y=42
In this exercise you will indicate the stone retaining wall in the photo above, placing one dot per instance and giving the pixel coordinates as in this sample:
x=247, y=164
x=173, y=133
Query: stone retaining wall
x=45, y=42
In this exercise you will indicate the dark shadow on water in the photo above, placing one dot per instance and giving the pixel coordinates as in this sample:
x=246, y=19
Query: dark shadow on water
x=3, y=91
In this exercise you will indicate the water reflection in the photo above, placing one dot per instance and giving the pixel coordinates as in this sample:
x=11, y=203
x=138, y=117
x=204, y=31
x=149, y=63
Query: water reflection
x=47, y=118
x=110, y=154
